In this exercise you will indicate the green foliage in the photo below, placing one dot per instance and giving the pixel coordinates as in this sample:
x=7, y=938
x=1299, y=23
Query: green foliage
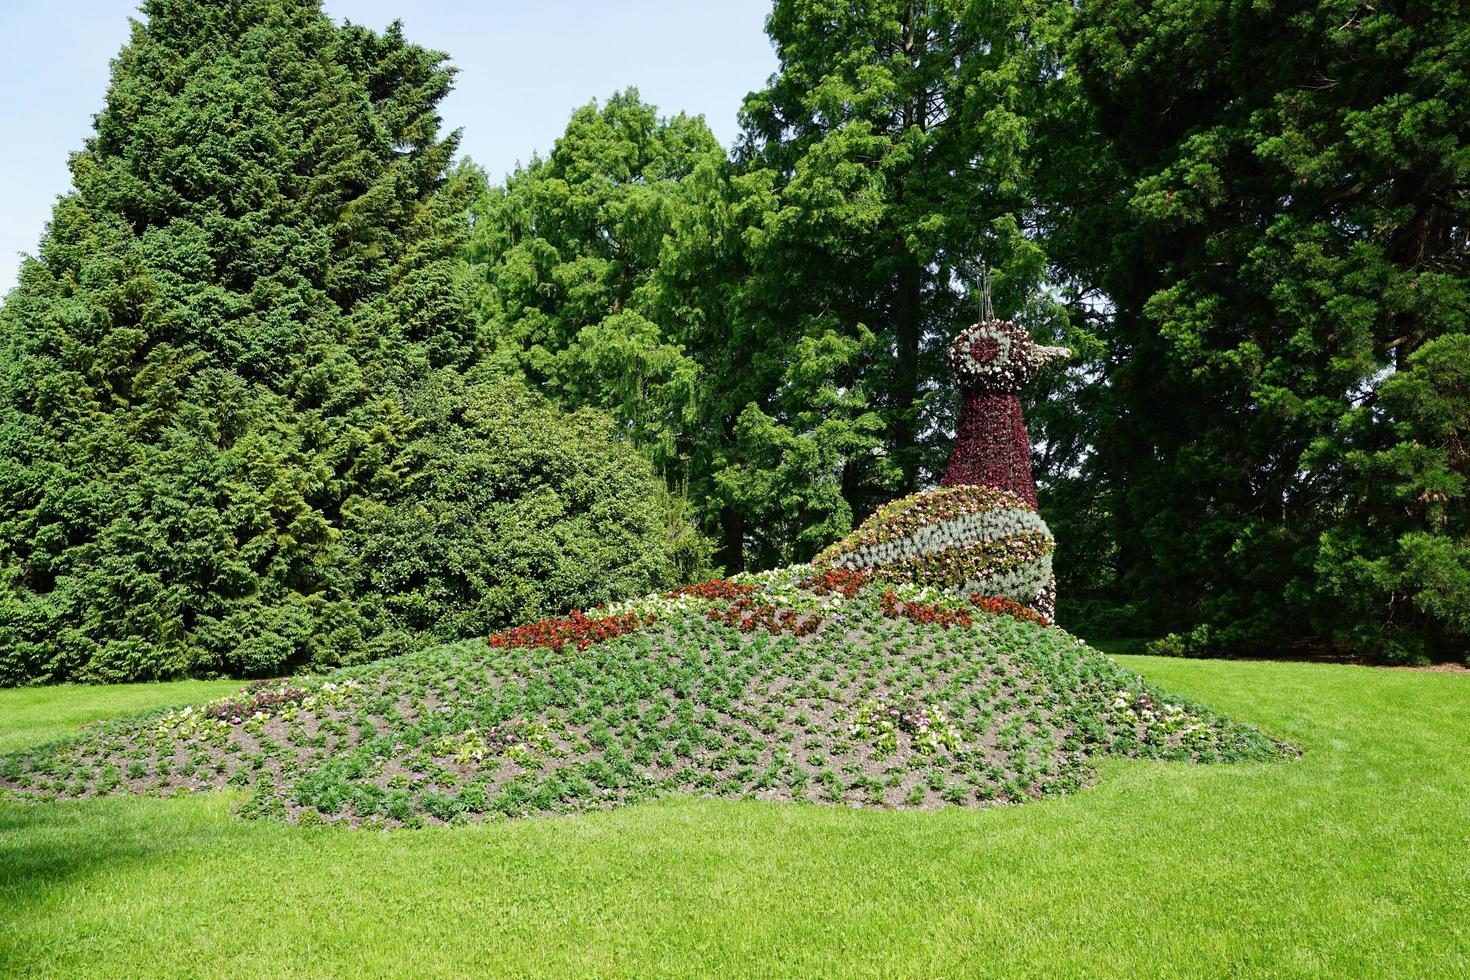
x=228, y=382
x=896, y=137
x=512, y=510
x=602, y=275
x=1409, y=594
x=570, y=251
x=771, y=329
x=1275, y=204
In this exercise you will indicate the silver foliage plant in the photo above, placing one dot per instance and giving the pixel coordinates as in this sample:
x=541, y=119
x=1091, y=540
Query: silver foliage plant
x=971, y=539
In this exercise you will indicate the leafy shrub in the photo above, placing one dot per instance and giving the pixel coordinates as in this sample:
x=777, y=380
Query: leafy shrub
x=514, y=510
x=1191, y=644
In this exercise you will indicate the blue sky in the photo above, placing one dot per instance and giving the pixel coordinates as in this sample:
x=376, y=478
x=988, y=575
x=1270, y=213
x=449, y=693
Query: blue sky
x=523, y=68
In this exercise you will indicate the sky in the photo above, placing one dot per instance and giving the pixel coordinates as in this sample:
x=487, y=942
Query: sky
x=524, y=66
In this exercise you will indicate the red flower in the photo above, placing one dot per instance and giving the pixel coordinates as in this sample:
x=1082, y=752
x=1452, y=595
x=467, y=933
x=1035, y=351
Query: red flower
x=576, y=628
x=837, y=581
x=923, y=613
x=715, y=588
x=1001, y=606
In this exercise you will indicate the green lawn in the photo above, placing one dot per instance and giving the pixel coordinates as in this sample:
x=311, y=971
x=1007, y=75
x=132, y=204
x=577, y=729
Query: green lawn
x=1354, y=861
x=30, y=715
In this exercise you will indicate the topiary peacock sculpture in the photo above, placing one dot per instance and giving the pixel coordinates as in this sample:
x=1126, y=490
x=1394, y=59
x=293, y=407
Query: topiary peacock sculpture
x=979, y=531
x=992, y=362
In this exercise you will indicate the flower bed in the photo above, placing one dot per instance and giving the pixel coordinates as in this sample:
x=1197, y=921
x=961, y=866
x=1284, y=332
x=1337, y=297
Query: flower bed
x=927, y=509
x=889, y=702
x=576, y=629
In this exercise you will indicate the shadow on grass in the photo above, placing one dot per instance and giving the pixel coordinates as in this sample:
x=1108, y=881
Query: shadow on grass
x=50, y=846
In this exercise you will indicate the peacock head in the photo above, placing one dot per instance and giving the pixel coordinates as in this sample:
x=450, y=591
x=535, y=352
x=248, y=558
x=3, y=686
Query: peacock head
x=999, y=356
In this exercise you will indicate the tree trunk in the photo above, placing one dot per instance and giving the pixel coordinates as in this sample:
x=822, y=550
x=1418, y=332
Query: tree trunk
x=908, y=333
x=732, y=544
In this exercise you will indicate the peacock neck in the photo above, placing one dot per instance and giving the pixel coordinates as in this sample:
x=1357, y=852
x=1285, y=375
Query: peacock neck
x=992, y=448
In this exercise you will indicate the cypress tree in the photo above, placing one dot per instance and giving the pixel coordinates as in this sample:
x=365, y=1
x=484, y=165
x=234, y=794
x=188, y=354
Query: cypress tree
x=234, y=367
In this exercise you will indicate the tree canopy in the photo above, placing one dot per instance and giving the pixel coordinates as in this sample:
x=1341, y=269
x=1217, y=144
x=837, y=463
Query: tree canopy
x=237, y=379
x=1247, y=221
x=287, y=383
x=1280, y=432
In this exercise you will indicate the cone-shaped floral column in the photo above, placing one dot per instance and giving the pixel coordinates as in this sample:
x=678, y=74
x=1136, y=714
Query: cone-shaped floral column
x=992, y=362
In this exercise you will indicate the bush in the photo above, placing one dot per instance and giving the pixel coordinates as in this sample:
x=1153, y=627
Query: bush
x=515, y=511
x=1195, y=643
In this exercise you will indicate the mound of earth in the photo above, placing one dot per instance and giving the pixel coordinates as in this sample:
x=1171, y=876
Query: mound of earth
x=788, y=686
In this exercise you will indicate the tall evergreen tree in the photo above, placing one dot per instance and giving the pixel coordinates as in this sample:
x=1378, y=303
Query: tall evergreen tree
x=897, y=136
x=231, y=373
x=1284, y=240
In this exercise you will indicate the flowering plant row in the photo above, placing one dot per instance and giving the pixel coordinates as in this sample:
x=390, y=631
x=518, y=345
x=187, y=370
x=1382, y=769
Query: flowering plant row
x=715, y=588
x=1001, y=606
x=837, y=582
x=904, y=517
x=1002, y=564
x=1000, y=524
x=977, y=565
x=684, y=597
x=923, y=613
x=576, y=629
x=748, y=615
x=786, y=587
x=965, y=538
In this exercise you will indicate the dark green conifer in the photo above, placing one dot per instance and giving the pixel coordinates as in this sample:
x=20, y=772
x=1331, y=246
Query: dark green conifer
x=234, y=420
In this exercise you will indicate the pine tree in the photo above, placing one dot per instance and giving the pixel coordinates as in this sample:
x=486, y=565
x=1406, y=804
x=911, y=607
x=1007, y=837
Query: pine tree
x=216, y=371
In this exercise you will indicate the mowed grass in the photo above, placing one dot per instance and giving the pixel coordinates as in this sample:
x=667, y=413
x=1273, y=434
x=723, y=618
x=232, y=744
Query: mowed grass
x=1353, y=861
x=31, y=715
